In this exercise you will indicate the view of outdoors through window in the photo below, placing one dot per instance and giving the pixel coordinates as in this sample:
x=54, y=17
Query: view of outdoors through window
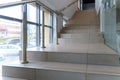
x=10, y=38
x=11, y=32
x=11, y=29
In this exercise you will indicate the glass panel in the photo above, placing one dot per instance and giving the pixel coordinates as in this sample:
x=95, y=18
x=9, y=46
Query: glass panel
x=47, y=18
x=31, y=36
x=110, y=35
x=14, y=12
x=47, y=36
x=31, y=12
x=7, y=1
x=10, y=38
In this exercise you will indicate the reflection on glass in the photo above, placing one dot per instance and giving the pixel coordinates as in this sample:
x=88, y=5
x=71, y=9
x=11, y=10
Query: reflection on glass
x=110, y=26
x=31, y=36
x=7, y=1
x=47, y=17
x=47, y=36
x=31, y=12
x=10, y=37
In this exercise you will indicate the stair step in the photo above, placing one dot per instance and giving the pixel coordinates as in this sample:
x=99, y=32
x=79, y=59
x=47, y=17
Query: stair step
x=77, y=56
x=61, y=71
x=79, y=41
x=10, y=78
x=45, y=71
x=81, y=35
x=78, y=27
x=75, y=31
x=73, y=40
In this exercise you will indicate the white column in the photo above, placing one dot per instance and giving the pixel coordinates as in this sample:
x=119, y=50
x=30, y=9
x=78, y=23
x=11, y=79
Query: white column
x=24, y=35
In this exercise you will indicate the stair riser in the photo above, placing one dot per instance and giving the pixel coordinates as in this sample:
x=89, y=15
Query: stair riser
x=80, y=27
x=75, y=31
x=77, y=41
x=58, y=57
x=41, y=74
x=19, y=72
x=99, y=59
x=74, y=41
x=74, y=35
x=102, y=77
x=81, y=35
x=75, y=58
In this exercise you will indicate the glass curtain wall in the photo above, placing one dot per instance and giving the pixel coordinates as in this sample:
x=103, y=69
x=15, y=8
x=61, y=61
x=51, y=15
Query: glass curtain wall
x=11, y=29
x=48, y=20
x=31, y=27
x=118, y=24
x=10, y=33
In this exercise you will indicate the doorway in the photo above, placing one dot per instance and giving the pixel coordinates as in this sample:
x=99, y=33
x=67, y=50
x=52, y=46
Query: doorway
x=88, y=4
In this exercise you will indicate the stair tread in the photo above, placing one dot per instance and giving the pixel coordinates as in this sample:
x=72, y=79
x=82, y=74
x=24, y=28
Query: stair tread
x=51, y=66
x=10, y=78
x=57, y=66
x=91, y=48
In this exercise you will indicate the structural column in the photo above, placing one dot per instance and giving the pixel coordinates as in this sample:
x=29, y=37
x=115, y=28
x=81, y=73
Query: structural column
x=42, y=31
x=24, y=35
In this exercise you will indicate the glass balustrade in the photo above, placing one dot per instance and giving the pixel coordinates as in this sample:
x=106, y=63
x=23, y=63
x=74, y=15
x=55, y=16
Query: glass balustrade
x=110, y=21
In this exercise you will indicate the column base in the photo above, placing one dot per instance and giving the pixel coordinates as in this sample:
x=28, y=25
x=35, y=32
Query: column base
x=43, y=47
x=24, y=62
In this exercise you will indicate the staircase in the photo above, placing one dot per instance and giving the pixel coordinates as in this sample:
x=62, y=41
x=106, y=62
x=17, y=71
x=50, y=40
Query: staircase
x=80, y=55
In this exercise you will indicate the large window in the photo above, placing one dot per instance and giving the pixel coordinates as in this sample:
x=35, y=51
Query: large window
x=48, y=27
x=8, y=1
x=11, y=28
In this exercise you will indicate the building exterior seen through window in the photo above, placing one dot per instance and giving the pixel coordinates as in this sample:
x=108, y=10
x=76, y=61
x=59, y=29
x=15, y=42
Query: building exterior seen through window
x=11, y=29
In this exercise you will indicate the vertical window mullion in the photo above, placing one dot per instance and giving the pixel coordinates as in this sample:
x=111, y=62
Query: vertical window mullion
x=38, y=29
x=51, y=29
